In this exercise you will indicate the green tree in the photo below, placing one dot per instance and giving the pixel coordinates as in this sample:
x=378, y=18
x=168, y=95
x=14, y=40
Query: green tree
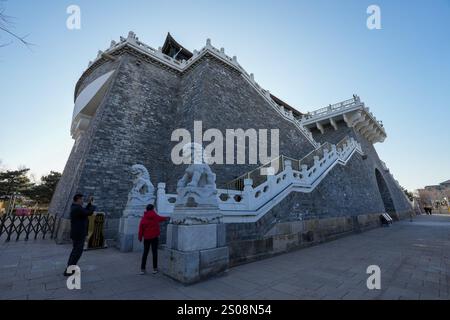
x=43, y=192
x=14, y=181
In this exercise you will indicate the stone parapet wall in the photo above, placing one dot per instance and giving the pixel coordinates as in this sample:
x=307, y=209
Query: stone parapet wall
x=285, y=237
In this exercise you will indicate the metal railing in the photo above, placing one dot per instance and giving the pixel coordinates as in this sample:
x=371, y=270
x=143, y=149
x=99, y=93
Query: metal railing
x=30, y=226
x=259, y=175
x=341, y=143
x=308, y=160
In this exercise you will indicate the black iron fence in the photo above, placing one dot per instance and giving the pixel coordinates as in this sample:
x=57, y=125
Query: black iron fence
x=27, y=226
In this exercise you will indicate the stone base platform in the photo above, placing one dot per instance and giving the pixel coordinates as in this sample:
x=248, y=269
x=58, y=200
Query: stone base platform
x=192, y=266
x=128, y=234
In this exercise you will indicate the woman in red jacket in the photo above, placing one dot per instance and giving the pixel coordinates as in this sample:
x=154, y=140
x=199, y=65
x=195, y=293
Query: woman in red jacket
x=149, y=230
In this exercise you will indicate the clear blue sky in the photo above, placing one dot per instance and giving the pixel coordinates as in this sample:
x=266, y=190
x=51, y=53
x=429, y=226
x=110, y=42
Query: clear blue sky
x=309, y=53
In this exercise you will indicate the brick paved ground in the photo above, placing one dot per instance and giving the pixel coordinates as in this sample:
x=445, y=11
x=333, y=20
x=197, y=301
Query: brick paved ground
x=414, y=258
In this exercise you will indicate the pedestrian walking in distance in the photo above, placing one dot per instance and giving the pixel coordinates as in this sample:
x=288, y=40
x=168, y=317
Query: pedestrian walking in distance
x=149, y=231
x=78, y=228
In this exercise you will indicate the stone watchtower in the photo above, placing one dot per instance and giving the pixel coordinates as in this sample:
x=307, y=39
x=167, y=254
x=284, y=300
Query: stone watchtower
x=132, y=97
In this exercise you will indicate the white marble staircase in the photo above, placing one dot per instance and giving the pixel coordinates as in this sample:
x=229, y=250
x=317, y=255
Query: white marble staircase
x=256, y=199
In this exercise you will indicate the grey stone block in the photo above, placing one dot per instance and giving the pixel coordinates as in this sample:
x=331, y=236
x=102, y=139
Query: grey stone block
x=213, y=261
x=125, y=243
x=172, y=236
x=181, y=266
x=221, y=235
x=193, y=266
x=196, y=237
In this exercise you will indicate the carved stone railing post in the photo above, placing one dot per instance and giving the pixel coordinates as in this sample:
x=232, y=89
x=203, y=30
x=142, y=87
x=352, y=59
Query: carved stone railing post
x=315, y=169
x=132, y=37
x=304, y=172
x=288, y=169
x=160, y=192
x=161, y=198
x=271, y=183
x=248, y=193
x=333, y=148
x=290, y=114
x=325, y=154
x=316, y=160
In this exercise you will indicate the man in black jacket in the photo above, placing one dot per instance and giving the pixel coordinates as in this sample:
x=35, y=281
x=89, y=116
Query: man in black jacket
x=78, y=228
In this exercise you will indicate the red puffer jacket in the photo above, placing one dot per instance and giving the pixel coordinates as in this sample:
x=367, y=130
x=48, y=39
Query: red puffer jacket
x=149, y=225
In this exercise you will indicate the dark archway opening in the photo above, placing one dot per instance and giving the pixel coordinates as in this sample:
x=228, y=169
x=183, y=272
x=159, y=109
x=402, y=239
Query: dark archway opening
x=385, y=195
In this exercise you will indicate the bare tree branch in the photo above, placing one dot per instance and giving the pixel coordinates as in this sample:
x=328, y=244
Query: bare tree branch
x=21, y=39
x=6, y=23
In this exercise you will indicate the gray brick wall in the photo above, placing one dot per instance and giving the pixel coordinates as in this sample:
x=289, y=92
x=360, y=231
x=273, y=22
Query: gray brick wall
x=222, y=99
x=68, y=183
x=373, y=161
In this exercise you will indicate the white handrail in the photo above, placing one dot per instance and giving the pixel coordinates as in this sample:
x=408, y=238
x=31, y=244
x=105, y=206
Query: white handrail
x=251, y=203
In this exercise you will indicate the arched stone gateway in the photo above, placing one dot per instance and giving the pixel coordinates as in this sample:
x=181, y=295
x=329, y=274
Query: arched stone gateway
x=386, y=195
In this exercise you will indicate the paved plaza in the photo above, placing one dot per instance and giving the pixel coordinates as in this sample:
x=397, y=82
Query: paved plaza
x=414, y=258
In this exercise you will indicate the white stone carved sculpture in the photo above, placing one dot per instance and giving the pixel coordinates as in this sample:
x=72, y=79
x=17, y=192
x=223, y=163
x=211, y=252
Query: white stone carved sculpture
x=198, y=174
x=196, y=190
x=142, y=193
x=198, y=184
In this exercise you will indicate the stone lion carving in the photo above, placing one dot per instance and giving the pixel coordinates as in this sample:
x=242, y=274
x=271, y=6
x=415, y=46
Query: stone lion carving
x=197, y=201
x=143, y=190
x=198, y=174
x=198, y=184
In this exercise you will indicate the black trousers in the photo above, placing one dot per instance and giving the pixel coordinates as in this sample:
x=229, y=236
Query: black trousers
x=154, y=244
x=77, y=251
